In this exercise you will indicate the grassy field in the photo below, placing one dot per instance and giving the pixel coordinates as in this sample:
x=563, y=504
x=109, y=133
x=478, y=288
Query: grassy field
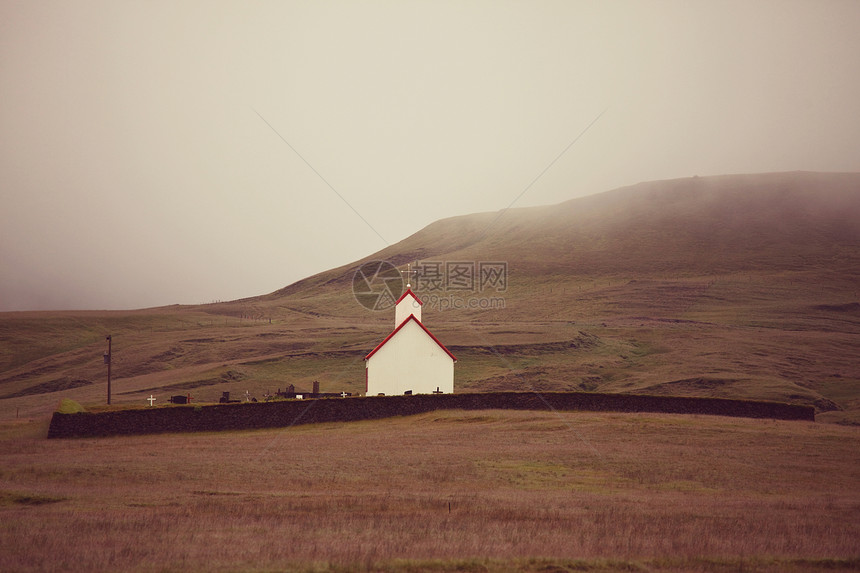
x=810, y=361
x=478, y=491
x=729, y=337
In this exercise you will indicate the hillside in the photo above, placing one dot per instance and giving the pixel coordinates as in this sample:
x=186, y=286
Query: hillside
x=730, y=286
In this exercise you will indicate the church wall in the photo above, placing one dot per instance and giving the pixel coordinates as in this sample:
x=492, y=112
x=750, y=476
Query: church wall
x=410, y=360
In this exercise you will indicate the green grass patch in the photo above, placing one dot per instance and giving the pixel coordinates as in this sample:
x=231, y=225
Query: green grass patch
x=69, y=406
x=541, y=475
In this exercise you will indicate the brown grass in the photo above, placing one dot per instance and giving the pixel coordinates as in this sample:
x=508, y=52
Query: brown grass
x=506, y=491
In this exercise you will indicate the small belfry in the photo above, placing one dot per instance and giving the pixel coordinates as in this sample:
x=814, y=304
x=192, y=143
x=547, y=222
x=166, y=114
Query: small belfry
x=410, y=360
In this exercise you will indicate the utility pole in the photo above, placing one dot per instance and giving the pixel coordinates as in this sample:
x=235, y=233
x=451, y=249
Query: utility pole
x=107, y=361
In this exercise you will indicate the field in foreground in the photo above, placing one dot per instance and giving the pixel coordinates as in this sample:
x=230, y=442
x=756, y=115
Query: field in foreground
x=492, y=490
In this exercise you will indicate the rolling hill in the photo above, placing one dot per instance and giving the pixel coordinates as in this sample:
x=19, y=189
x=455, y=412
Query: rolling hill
x=729, y=286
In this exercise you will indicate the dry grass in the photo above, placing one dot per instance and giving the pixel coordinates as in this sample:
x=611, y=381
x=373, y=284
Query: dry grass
x=506, y=491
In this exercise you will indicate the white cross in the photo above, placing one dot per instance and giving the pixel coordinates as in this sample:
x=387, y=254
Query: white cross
x=408, y=272
x=151, y=399
x=343, y=394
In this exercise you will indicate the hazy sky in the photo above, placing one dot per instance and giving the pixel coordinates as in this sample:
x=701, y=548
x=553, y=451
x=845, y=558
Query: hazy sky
x=158, y=152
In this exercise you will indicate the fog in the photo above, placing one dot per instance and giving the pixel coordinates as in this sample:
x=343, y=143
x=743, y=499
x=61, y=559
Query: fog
x=154, y=153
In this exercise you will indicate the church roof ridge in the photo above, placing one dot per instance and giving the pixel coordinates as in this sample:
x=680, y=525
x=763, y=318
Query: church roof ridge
x=409, y=291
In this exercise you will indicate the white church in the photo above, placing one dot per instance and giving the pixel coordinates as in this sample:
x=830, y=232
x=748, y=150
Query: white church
x=410, y=360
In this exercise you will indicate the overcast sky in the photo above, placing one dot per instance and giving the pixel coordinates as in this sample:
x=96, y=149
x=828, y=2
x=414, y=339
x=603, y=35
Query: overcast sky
x=159, y=152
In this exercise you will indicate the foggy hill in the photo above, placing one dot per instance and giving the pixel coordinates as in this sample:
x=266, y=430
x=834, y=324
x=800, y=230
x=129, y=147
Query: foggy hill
x=702, y=223
x=699, y=225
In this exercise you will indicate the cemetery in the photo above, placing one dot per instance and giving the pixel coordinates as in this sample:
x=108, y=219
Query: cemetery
x=290, y=393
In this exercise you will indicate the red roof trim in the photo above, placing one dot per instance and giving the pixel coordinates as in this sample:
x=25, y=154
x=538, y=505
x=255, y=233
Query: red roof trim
x=408, y=291
x=402, y=324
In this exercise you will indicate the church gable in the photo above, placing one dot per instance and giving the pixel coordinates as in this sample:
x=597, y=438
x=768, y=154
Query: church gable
x=408, y=304
x=423, y=329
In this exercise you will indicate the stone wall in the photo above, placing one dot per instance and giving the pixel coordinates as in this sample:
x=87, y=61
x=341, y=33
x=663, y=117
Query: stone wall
x=280, y=414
